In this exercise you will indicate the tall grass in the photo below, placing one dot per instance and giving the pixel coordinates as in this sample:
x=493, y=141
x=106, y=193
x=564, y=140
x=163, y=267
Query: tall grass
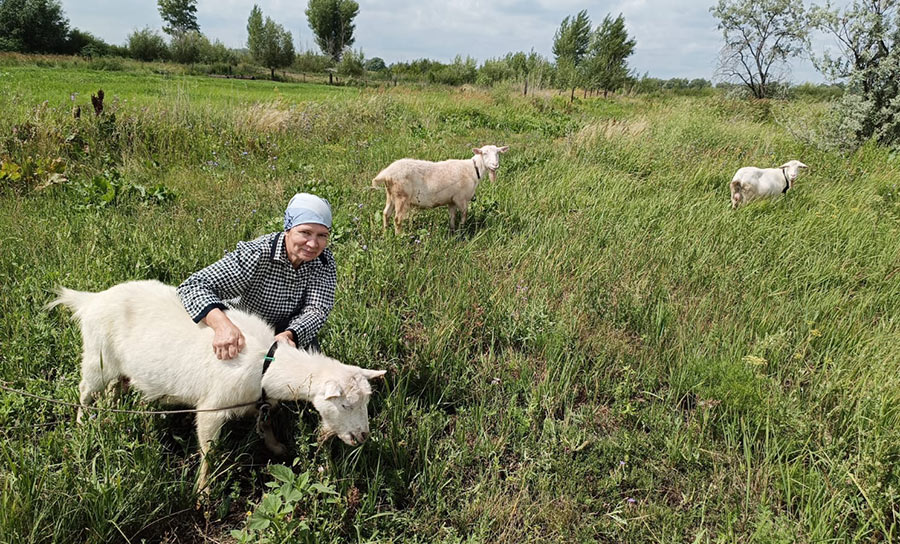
x=606, y=352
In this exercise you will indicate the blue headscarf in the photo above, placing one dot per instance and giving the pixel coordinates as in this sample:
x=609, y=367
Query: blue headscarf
x=307, y=208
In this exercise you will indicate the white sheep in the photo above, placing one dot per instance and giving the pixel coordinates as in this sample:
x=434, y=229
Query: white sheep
x=425, y=184
x=750, y=182
x=140, y=331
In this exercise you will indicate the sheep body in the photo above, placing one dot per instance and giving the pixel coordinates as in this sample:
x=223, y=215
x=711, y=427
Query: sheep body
x=751, y=182
x=140, y=331
x=426, y=184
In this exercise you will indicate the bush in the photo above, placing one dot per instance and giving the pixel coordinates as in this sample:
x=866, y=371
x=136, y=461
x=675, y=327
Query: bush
x=188, y=47
x=309, y=61
x=147, y=45
x=351, y=65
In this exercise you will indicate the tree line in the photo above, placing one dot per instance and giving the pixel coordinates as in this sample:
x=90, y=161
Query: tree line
x=760, y=37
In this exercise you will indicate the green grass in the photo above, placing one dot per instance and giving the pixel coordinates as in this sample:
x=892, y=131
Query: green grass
x=606, y=352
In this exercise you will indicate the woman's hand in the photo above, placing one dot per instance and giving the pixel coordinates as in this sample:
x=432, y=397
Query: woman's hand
x=287, y=336
x=228, y=340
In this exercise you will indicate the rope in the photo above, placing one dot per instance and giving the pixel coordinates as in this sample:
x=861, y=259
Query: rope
x=123, y=411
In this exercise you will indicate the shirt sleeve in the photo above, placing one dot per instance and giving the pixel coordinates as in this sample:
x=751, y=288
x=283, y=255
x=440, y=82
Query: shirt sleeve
x=319, y=302
x=224, y=279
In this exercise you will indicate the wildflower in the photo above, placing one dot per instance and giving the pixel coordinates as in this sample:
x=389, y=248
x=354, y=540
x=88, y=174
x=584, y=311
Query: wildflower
x=621, y=463
x=630, y=500
x=355, y=219
x=359, y=206
x=244, y=153
x=253, y=210
x=199, y=220
x=418, y=241
x=365, y=247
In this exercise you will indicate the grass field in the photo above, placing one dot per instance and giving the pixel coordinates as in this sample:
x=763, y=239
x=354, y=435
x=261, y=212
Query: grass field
x=605, y=353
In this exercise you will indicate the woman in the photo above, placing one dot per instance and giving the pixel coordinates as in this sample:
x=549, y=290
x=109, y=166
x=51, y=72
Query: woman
x=287, y=278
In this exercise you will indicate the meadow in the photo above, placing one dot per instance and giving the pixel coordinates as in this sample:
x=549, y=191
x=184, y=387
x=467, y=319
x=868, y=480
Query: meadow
x=606, y=352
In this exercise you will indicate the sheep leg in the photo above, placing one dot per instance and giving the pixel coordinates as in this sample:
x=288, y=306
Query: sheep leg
x=463, y=212
x=92, y=381
x=402, y=207
x=736, y=196
x=276, y=447
x=388, y=210
x=452, y=209
x=209, y=425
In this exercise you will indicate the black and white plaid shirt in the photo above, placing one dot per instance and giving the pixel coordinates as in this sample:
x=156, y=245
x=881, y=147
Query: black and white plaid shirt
x=257, y=277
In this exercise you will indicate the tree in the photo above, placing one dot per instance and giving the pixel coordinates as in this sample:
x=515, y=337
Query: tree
x=868, y=60
x=352, y=64
x=760, y=37
x=570, y=45
x=180, y=16
x=605, y=65
x=332, y=23
x=270, y=44
x=375, y=64
x=147, y=45
x=33, y=26
x=188, y=47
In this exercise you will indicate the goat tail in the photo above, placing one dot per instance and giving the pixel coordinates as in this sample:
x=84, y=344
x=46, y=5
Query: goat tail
x=736, y=196
x=379, y=181
x=70, y=298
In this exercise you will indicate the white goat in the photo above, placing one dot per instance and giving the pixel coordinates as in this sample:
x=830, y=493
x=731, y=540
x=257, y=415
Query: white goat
x=750, y=182
x=426, y=184
x=140, y=331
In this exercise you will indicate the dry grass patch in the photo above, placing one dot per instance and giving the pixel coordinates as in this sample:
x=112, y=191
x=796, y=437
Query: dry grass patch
x=609, y=129
x=272, y=116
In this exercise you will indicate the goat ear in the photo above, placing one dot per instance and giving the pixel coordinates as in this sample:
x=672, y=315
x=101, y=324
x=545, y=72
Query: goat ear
x=476, y=150
x=372, y=374
x=504, y=149
x=801, y=165
x=332, y=390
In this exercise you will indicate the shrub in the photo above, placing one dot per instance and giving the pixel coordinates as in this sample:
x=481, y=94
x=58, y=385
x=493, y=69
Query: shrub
x=147, y=45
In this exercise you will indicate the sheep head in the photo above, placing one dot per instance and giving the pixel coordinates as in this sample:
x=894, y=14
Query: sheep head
x=342, y=403
x=792, y=169
x=490, y=154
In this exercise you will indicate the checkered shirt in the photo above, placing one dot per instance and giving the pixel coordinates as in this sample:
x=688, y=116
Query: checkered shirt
x=258, y=278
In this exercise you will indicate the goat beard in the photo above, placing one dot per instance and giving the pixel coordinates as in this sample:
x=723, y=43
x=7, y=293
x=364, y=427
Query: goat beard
x=492, y=174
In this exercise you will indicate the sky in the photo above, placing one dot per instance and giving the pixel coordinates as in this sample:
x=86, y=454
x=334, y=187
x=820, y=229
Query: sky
x=674, y=38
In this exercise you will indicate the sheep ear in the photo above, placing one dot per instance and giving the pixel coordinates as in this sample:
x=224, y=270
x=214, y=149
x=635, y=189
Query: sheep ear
x=504, y=149
x=801, y=165
x=476, y=150
x=332, y=390
x=372, y=374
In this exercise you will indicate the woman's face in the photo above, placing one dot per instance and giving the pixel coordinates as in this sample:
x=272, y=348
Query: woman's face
x=305, y=242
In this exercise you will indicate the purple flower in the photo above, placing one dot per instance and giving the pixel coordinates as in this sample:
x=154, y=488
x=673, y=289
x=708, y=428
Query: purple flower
x=630, y=500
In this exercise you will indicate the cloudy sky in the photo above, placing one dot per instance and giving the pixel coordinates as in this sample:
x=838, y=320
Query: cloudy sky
x=674, y=39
